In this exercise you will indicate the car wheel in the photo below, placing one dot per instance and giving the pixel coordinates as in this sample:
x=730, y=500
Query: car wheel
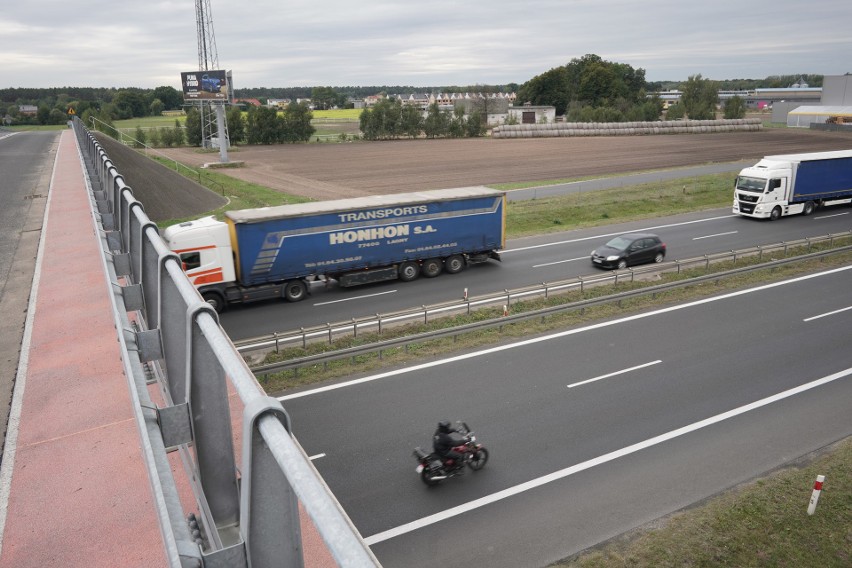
x=622, y=263
x=659, y=258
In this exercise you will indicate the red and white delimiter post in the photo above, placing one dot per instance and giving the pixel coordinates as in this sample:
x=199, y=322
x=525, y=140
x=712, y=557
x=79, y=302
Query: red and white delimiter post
x=815, y=495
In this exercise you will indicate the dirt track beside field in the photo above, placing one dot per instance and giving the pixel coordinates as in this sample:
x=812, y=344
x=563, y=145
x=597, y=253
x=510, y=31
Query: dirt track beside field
x=330, y=171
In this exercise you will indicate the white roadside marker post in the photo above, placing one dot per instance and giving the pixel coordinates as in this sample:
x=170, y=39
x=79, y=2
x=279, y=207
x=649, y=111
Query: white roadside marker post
x=815, y=494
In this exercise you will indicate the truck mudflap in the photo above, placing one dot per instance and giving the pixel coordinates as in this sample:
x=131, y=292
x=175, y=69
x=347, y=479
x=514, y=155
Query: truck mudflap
x=495, y=255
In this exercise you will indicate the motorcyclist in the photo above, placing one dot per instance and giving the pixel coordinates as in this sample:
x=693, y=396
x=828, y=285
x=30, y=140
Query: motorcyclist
x=443, y=443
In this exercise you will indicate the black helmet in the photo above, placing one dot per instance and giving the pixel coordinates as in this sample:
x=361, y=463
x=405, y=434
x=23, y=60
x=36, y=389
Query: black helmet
x=444, y=426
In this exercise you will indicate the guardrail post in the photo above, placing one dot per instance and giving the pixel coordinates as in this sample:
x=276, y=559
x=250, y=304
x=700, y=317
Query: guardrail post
x=210, y=415
x=379, y=320
x=269, y=516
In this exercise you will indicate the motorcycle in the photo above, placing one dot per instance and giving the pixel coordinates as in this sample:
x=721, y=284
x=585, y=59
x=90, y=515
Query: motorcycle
x=433, y=468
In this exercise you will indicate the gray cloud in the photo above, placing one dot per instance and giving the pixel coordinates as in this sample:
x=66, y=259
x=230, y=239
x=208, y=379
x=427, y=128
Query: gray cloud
x=49, y=43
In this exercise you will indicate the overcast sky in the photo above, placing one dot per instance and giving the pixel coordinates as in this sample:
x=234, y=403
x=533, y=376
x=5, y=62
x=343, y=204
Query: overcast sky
x=275, y=43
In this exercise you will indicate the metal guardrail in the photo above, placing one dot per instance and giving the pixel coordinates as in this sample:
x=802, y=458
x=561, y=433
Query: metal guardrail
x=248, y=512
x=377, y=323
x=378, y=347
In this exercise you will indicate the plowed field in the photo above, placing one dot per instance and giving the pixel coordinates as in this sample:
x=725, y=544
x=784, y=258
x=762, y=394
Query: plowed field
x=330, y=171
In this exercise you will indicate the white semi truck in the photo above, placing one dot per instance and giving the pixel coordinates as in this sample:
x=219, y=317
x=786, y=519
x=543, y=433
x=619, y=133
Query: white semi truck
x=794, y=183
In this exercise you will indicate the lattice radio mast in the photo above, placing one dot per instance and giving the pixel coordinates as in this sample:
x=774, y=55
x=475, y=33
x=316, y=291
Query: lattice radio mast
x=212, y=112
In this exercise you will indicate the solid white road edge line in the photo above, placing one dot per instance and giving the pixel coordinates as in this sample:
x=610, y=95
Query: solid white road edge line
x=621, y=372
x=566, y=333
x=561, y=474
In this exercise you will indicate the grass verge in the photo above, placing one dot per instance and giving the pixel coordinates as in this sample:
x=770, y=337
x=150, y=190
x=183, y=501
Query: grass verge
x=762, y=523
x=241, y=194
x=600, y=207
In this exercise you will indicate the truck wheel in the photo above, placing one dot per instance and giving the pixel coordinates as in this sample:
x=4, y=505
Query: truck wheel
x=295, y=290
x=809, y=208
x=432, y=267
x=455, y=264
x=215, y=300
x=409, y=271
x=775, y=215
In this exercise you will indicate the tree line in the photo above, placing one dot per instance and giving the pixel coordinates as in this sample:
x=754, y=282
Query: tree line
x=586, y=89
x=390, y=119
x=260, y=125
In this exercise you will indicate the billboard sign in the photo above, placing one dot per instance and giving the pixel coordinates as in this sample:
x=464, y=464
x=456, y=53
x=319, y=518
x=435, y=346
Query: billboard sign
x=204, y=85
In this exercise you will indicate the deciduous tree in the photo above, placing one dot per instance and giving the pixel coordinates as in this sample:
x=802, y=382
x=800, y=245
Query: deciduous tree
x=699, y=98
x=296, y=122
x=735, y=108
x=236, y=125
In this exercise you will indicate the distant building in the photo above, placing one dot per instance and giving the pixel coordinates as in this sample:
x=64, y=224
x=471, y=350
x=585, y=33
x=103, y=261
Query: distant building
x=531, y=114
x=245, y=102
x=835, y=106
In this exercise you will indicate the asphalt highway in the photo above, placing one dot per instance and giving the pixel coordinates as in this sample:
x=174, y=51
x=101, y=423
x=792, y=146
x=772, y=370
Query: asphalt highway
x=592, y=431
x=530, y=261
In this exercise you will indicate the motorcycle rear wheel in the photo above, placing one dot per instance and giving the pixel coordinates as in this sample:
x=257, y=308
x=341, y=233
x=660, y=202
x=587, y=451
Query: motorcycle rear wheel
x=478, y=459
x=426, y=477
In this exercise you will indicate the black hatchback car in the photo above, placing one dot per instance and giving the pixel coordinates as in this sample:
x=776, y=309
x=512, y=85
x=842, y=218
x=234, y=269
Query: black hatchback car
x=627, y=250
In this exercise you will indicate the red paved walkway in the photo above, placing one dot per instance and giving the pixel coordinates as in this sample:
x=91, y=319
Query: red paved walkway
x=78, y=494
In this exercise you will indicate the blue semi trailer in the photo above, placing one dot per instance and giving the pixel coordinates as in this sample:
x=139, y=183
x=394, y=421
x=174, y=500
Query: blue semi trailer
x=794, y=183
x=276, y=252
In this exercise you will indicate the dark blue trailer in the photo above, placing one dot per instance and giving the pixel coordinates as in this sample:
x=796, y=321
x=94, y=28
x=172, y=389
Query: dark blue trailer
x=822, y=179
x=278, y=251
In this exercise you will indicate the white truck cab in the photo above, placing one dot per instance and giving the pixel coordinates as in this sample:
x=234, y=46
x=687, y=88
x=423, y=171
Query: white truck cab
x=204, y=247
x=789, y=184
